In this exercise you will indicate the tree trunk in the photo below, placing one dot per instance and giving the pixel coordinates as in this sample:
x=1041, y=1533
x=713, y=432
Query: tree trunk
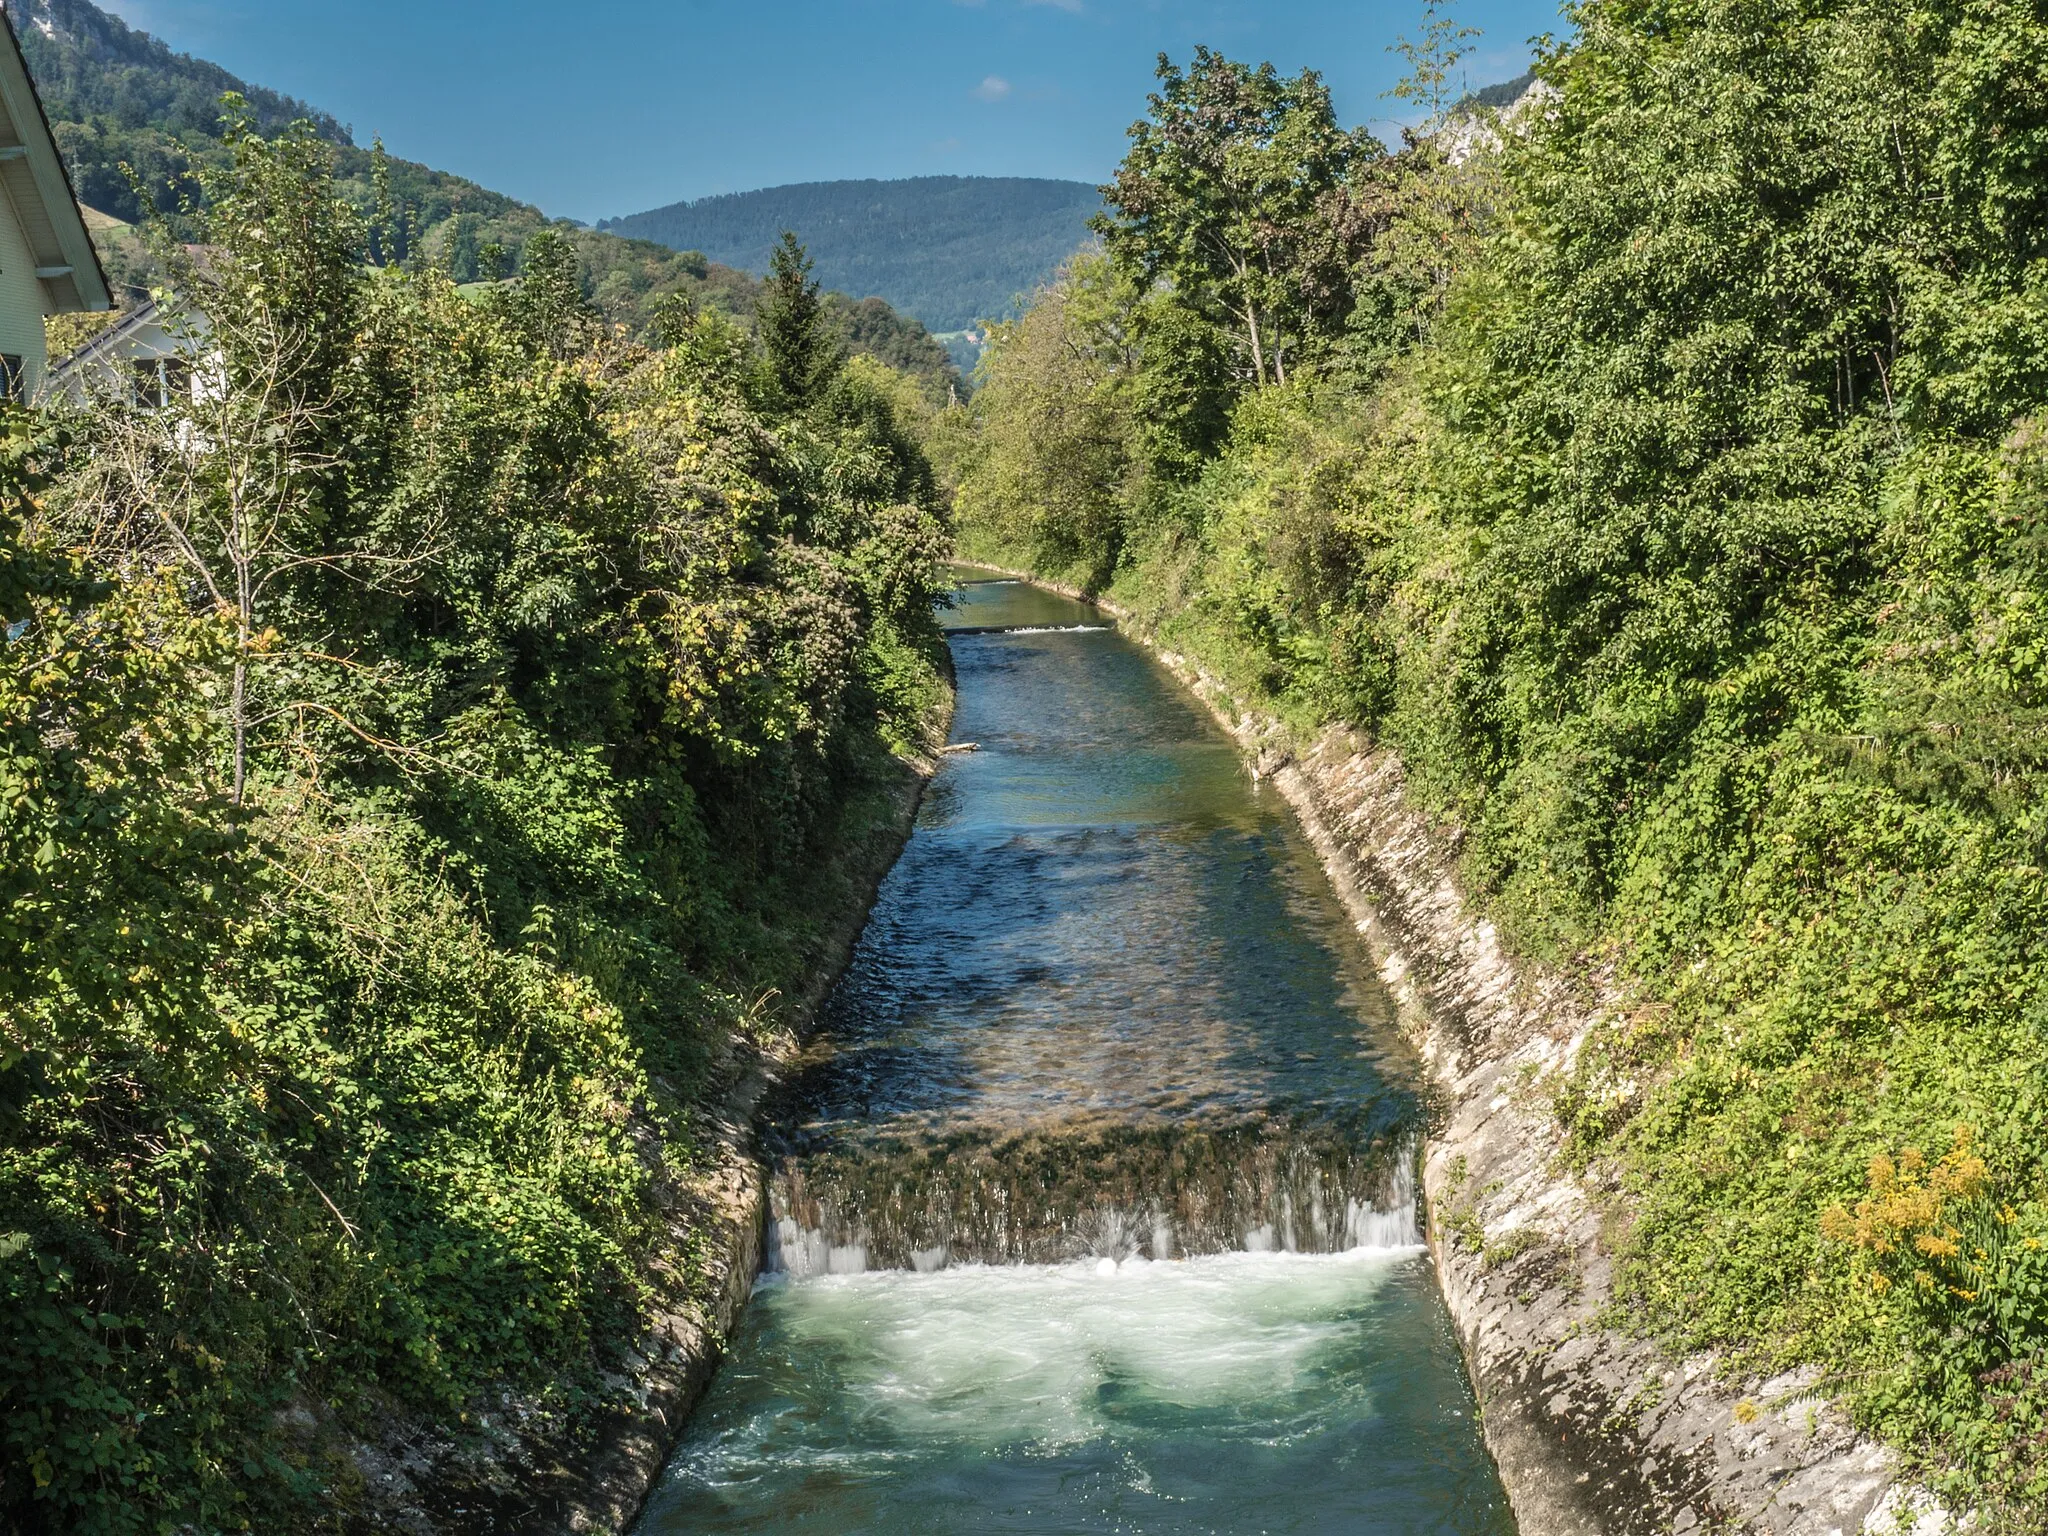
x=245, y=629
x=240, y=709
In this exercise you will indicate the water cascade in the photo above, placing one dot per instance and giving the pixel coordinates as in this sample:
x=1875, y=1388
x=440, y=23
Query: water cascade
x=1093, y=1204
x=1163, y=1192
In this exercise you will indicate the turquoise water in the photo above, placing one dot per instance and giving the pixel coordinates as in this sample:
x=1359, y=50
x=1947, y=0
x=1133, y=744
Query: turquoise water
x=1101, y=935
x=1239, y=1393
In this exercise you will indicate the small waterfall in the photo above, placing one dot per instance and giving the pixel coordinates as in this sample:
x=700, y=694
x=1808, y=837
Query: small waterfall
x=1164, y=1191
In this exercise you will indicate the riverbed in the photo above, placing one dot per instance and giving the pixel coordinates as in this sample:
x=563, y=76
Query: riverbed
x=1093, y=1203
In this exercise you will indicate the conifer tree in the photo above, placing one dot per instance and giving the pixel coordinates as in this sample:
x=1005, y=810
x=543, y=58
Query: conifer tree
x=800, y=350
x=383, y=215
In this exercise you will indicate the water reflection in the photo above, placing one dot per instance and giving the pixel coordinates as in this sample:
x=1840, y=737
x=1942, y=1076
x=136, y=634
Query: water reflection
x=1098, y=913
x=1106, y=1006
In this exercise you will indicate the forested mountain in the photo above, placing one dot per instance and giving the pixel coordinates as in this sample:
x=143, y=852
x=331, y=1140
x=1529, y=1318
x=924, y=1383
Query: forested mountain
x=116, y=96
x=1504, y=93
x=950, y=250
x=92, y=64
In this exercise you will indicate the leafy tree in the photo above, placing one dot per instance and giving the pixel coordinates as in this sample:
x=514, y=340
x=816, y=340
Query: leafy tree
x=1234, y=192
x=1432, y=59
x=384, y=215
x=1060, y=454
x=1675, y=511
x=464, y=253
x=419, y=747
x=234, y=481
x=550, y=300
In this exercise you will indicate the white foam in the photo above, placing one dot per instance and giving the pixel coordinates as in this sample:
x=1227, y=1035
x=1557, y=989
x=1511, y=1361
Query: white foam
x=801, y=1252
x=1111, y=1235
x=1004, y=1354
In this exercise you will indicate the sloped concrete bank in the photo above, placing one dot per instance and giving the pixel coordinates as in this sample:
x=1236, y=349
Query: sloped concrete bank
x=531, y=1464
x=1595, y=1433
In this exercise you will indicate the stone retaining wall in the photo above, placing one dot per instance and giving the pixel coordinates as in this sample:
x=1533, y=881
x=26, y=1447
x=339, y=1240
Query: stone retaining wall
x=1595, y=1433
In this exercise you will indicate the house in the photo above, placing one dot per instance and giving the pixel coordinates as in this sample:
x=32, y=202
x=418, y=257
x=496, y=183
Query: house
x=47, y=262
x=147, y=352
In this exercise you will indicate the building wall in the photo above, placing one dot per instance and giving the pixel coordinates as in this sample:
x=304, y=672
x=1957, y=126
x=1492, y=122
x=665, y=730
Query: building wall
x=21, y=300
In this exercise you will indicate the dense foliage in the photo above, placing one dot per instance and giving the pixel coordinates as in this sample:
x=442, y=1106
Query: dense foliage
x=951, y=250
x=423, y=753
x=1671, y=495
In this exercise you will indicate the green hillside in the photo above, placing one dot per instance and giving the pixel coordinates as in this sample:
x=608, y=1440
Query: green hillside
x=117, y=96
x=950, y=250
x=1663, y=474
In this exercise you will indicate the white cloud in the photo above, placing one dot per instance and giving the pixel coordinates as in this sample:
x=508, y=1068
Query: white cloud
x=1072, y=6
x=994, y=88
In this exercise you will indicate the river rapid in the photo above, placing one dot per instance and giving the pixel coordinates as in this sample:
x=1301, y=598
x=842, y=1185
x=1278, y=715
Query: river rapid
x=1093, y=1204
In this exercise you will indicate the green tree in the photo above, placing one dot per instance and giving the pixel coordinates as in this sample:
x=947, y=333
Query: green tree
x=1432, y=60
x=1680, y=525
x=464, y=251
x=1235, y=192
x=1061, y=451
x=801, y=349
x=550, y=300
x=384, y=214
x=235, y=482
x=416, y=748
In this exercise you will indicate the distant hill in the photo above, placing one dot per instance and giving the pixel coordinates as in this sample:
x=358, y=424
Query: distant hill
x=116, y=96
x=1505, y=94
x=950, y=250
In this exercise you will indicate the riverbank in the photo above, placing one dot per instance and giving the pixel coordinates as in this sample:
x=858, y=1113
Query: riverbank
x=1093, y=1204
x=1595, y=1433
x=545, y=1463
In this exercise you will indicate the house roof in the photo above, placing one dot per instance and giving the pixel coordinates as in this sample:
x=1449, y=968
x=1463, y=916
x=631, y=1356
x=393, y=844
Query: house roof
x=107, y=342
x=33, y=177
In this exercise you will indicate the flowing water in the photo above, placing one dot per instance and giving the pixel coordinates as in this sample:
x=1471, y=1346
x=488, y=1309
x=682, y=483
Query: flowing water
x=1093, y=1206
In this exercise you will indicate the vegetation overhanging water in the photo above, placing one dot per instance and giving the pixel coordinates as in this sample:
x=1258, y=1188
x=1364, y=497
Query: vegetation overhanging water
x=1102, y=941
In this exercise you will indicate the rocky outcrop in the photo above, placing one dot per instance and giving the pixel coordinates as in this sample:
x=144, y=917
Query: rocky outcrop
x=1595, y=1433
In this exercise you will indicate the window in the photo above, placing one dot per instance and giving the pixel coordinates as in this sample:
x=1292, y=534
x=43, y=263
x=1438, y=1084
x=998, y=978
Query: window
x=158, y=381
x=13, y=378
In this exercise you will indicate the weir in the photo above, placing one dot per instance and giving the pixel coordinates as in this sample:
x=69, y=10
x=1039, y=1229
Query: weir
x=1092, y=1207
x=1111, y=1191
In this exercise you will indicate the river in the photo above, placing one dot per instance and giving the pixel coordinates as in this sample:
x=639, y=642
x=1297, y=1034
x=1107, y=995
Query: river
x=1093, y=1203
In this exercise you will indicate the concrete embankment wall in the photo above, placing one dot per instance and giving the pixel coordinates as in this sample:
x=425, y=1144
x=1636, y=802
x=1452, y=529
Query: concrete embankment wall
x=1595, y=1433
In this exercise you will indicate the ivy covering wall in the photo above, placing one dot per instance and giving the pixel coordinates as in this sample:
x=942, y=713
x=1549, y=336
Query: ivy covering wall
x=419, y=747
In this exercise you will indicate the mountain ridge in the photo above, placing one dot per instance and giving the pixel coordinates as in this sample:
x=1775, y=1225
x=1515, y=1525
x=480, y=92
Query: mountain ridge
x=119, y=98
x=951, y=250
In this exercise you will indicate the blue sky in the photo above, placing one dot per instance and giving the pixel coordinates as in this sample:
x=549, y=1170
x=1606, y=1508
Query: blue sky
x=592, y=108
